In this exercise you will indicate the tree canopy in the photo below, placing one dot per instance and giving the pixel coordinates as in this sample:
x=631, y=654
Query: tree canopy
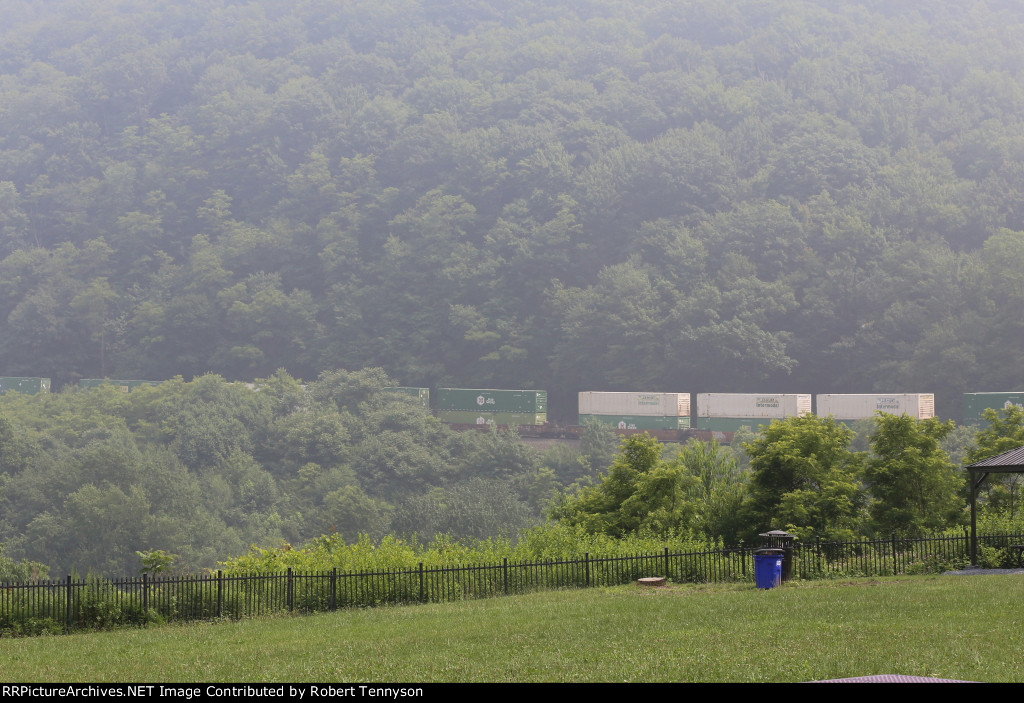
x=566, y=196
x=804, y=479
x=98, y=479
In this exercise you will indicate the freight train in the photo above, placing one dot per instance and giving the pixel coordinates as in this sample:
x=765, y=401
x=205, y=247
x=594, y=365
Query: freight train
x=671, y=417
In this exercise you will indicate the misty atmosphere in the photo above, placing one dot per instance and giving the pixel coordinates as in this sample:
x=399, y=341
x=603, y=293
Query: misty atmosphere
x=331, y=197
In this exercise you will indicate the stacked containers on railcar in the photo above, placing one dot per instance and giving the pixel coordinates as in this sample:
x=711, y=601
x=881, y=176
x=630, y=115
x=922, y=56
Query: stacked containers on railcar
x=492, y=406
x=24, y=384
x=976, y=403
x=848, y=407
x=422, y=395
x=636, y=410
x=727, y=412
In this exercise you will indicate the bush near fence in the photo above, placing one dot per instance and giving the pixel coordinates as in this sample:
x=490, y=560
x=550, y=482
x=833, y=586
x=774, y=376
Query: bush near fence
x=44, y=607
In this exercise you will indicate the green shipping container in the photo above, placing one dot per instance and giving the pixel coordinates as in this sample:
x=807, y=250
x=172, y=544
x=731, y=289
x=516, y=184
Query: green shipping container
x=123, y=385
x=731, y=424
x=423, y=394
x=975, y=403
x=640, y=422
x=22, y=384
x=467, y=417
x=492, y=400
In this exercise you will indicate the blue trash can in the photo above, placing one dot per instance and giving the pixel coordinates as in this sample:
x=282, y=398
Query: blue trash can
x=767, y=567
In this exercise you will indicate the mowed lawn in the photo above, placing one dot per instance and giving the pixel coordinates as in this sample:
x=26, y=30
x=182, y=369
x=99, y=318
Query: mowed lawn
x=955, y=627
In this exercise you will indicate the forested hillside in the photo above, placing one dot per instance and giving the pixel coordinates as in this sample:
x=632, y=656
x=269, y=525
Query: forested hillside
x=204, y=469
x=681, y=195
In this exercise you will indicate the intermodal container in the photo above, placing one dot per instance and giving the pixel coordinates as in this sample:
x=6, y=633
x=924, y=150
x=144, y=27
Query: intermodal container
x=857, y=406
x=123, y=385
x=727, y=412
x=492, y=400
x=762, y=405
x=975, y=403
x=634, y=403
x=421, y=394
x=640, y=422
x=469, y=417
x=22, y=384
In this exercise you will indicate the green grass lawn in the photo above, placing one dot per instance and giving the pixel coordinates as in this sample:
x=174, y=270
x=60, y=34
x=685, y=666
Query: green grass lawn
x=942, y=626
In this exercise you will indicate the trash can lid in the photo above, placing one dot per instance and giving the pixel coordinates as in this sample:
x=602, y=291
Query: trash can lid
x=770, y=552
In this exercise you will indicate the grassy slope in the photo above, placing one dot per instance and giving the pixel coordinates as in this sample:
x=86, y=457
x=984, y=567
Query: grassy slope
x=951, y=627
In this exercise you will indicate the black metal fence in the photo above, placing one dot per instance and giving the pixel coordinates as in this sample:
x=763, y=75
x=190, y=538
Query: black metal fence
x=93, y=603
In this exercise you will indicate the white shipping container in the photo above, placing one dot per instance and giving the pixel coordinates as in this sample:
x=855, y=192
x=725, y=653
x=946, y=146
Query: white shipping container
x=753, y=404
x=634, y=403
x=857, y=406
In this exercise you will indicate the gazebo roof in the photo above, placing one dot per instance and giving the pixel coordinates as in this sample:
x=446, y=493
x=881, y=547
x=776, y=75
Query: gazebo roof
x=1008, y=462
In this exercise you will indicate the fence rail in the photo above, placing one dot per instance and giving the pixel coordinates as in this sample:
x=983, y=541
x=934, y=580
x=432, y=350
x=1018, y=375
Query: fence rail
x=73, y=604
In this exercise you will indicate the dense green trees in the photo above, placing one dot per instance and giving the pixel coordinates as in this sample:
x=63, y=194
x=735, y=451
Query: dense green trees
x=914, y=486
x=639, y=491
x=90, y=478
x=623, y=194
x=804, y=479
x=804, y=476
x=1004, y=432
x=698, y=490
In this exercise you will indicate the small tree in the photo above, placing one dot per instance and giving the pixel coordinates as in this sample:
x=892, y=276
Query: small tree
x=1005, y=431
x=719, y=490
x=155, y=561
x=914, y=486
x=804, y=479
x=640, y=491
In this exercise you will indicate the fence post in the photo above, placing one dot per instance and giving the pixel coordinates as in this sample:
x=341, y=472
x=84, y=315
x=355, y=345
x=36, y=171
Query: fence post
x=290, y=591
x=67, y=604
x=743, y=559
x=895, y=571
x=220, y=593
x=334, y=588
x=586, y=562
x=423, y=593
x=504, y=573
x=145, y=598
x=668, y=576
